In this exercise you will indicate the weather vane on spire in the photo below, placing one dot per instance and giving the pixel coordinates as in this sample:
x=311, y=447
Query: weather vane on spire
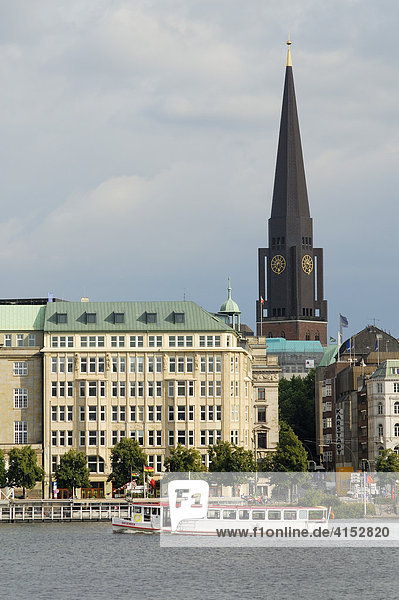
x=289, y=62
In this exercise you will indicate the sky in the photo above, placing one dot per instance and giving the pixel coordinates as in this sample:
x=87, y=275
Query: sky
x=138, y=142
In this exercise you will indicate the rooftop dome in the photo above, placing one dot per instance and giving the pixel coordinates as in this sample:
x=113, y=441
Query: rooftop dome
x=230, y=306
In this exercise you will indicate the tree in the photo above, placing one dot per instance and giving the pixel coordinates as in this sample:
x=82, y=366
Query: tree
x=224, y=456
x=72, y=472
x=296, y=398
x=3, y=478
x=126, y=456
x=184, y=460
x=290, y=455
x=23, y=470
x=388, y=461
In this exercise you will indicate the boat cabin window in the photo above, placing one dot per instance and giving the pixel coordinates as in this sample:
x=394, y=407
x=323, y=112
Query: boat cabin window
x=316, y=515
x=243, y=514
x=302, y=514
x=155, y=511
x=137, y=509
x=289, y=515
x=229, y=514
x=166, y=517
x=147, y=513
x=258, y=515
x=213, y=514
x=274, y=515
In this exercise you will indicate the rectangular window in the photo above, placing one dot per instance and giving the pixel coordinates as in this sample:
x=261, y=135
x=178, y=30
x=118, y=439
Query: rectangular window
x=261, y=393
x=82, y=438
x=7, y=339
x=83, y=364
x=191, y=413
x=114, y=437
x=140, y=436
x=181, y=437
x=171, y=437
x=171, y=389
x=62, y=389
x=101, y=364
x=154, y=340
x=81, y=413
x=172, y=341
x=181, y=388
x=158, y=364
x=54, y=362
x=82, y=389
x=203, y=413
x=151, y=438
x=172, y=364
x=62, y=413
x=61, y=438
x=54, y=413
x=203, y=437
x=210, y=388
x=171, y=413
x=92, y=413
x=133, y=414
x=150, y=364
x=20, y=368
x=159, y=389
x=150, y=413
x=140, y=364
x=218, y=364
x=203, y=389
x=158, y=466
x=261, y=414
x=181, y=413
x=211, y=437
x=32, y=339
x=218, y=389
x=140, y=389
x=150, y=389
x=396, y=387
x=158, y=413
x=218, y=412
x=203, y=364
x=114, y=413
x=20, y=398
x=210, y=413
x=20, y=339
x=70, y=437
x=119, y=317
x=180, y=364
x=70, y=413
x=122, y=413
x=54, y=389
x=140, y=413
x=190, y=437
x=92, y=389
x=136, y=341
x=54, y=438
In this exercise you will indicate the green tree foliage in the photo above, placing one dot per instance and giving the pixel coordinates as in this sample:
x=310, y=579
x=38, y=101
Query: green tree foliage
x=296, y=399
x=23, y=470
x=3, y=478
x=183, y=460
x=72, y=472
x=224, y=456
x=388, y=461
x=290, y=455
x=126, y=456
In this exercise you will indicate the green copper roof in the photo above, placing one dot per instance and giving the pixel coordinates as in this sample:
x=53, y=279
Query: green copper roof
x=329, y=355
x=229, y=306
x=21, y=317
x=388, y=368
x=137, y=316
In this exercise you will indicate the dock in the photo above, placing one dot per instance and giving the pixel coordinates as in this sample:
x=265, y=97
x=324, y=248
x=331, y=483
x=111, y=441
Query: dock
x=42, y=511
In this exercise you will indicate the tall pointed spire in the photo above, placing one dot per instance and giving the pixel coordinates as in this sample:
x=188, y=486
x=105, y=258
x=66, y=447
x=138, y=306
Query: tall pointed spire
x=290, y=198
x=291, y=298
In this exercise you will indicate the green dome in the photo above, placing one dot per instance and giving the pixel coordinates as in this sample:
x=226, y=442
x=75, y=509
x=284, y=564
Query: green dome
x=229, y=306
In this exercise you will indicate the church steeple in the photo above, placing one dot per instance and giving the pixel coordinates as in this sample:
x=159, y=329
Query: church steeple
x=293, y=304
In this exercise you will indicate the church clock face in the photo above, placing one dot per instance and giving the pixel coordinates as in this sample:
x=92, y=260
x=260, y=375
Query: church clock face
x=278, y=264
x=307, y=264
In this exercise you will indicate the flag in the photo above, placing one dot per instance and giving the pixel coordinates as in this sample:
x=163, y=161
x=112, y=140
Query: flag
x=332, y=340
x=376, y=345
x=343, y=321
x=151, y=481
x=135, y=474
x=348, y=346
x=261, y=300
x=148, y=469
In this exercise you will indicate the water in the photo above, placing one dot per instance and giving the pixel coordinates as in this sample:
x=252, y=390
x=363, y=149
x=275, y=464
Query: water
x=67, y=561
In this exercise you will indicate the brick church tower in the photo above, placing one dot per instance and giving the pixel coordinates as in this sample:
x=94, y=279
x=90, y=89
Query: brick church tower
x=291, y=303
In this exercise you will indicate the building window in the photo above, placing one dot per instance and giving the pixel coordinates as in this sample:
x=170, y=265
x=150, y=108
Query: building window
x=119, y=317
x=136, y=341
x=61, y=318
x=396, y=387
x=381, y=430
x=262, y=440
x=261, y=393
x=154, y=340
x=20, y=398
x=7, y=339
x=20, y=339
x=171, y=437
x=380, y=408
x=396, y=408
x=396, y=429
x=20, y=432
x=261, y=414
x=20, y=368
x=31, y=339
x=396, y=449
x=151, y=317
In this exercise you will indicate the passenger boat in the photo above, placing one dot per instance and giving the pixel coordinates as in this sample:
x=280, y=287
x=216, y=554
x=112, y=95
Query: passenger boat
x=148, y=516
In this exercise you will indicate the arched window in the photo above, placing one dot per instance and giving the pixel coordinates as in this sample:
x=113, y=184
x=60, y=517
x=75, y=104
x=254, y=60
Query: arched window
x=307, y=336
x=381, y=408
x=283, y=334
x=396, y=408
x=396, y=429
x=317, y=336
x=381, y=430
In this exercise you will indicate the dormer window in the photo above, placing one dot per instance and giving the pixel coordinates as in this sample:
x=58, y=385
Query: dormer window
x=61, y=318
x=91, y=318
x=151, y=317
x=179, y=317
x=119, y=317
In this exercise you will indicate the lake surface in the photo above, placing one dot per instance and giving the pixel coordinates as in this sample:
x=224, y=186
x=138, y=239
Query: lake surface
x=68, y=561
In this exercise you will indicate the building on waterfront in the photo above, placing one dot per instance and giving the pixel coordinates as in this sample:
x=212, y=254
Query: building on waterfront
x=348, y=399
x=291, y=301
x=21, y=375
x=162, y=373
